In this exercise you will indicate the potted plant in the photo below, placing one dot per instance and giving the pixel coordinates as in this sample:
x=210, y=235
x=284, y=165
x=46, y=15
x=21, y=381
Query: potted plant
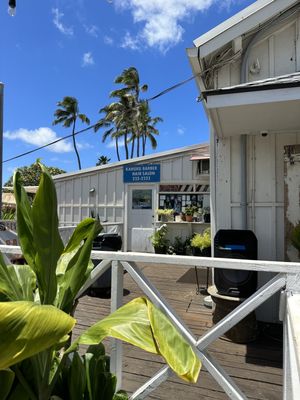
x=201, y=244
x=179, y=246
x=159, y=240
x=190, y=211
x=166, y=214
x=206, y=215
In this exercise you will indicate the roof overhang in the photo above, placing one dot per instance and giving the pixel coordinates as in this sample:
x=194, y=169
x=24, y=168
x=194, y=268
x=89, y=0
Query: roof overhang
x=244, y=110
x=246, y=20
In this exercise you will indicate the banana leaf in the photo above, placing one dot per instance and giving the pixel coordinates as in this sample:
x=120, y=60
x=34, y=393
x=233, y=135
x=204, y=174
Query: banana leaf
x=27, y=329
x=141, y=324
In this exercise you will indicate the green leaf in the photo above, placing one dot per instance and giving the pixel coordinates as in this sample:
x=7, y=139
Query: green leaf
x=120, y=395
x=81, y=232
x=141, y=324
x=27, y=329
x=17, y=282
x=7, y=377
x=47, y=240
x=76, y=378
x=76, y=271
x=24, y=222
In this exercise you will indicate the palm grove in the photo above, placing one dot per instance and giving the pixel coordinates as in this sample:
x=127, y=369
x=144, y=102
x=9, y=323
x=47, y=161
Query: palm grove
x=126, y=121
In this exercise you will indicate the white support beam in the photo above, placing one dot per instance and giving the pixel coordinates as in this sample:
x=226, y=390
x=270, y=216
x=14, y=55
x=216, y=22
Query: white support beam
x=116, y=302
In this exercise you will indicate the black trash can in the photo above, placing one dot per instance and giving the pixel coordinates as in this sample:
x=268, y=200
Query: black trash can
x=105, y=242
x=231, y=243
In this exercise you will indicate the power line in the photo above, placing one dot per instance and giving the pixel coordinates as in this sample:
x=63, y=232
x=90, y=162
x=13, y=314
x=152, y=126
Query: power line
x=169, y=89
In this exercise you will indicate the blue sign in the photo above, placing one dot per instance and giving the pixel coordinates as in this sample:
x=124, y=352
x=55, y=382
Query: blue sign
x=143, y=173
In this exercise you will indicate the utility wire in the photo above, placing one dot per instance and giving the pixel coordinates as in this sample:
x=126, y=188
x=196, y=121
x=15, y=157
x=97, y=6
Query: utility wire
x=169, y=89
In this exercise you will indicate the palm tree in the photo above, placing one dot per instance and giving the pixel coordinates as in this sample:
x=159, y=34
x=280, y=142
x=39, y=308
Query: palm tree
x=147, y=126
x=102, y=160
x=130, y=78
x=67, y=115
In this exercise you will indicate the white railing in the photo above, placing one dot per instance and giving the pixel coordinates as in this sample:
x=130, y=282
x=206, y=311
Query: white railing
x=287, y=281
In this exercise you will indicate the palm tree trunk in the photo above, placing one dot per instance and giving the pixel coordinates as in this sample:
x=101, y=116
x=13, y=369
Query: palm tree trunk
x=74, y=144
x=132, y=147
x=126, y=144
x=138, y=147
x=144, y=144
x=117, y=149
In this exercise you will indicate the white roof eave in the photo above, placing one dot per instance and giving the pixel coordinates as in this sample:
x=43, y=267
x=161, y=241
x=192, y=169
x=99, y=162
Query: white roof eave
x=242, y=22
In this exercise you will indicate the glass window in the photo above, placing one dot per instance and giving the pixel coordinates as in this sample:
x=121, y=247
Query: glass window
x=142, y=199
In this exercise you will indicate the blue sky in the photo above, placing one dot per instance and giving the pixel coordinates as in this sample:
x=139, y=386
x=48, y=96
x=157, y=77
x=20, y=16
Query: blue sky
x=57, y=48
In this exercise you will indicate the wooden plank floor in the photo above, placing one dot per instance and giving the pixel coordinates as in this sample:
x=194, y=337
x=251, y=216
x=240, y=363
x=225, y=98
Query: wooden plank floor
x=255, y=367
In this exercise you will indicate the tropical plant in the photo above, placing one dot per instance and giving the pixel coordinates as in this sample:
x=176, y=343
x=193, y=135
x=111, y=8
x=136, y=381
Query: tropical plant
x=180, y=245
x=159, y=240
x=295, y=237
x=67, y=115
x=102, y=160
x=201, y=241
x=30, y=175
x=191, y=210
x=165, y=213
x=38, y=360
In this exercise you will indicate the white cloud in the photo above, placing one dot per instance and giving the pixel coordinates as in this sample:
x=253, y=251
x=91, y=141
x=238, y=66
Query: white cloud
x=180, y=130
x=87, y=59
x=129, y=42
x=57, y=17
x=162, y=19
x=84, y=146
x=112, y=144
x=108, y=40
x=40, y=137
x=91, y=30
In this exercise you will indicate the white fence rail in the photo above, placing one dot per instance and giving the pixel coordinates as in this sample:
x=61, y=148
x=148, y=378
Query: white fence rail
x=287, y=281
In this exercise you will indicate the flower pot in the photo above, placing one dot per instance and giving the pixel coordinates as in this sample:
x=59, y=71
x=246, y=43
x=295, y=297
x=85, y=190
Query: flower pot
x=201, y=253
x=189, y=218
x=206, y=218
x=160, y=250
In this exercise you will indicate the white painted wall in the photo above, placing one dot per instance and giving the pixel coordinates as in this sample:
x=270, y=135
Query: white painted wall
x=277, y=52
x=76, y=201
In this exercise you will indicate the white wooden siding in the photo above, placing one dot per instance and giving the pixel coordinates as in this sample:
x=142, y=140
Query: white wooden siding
x=76, y=201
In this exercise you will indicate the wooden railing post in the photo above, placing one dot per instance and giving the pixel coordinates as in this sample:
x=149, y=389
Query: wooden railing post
x=116, y=302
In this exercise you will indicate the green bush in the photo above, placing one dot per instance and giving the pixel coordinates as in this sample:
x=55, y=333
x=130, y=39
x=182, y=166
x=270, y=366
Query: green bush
x=201, y=241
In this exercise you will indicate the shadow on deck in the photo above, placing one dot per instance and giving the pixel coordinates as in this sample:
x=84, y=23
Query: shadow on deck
x=255, y=367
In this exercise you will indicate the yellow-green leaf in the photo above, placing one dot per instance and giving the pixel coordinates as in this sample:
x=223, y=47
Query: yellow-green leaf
x=27, y=328
x=143, y=325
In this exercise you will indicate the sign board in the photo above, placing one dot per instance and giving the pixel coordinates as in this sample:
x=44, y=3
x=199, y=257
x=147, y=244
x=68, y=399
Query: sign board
x=142, y=173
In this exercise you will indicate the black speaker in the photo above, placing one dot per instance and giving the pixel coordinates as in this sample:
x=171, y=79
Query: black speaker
x=231, y=243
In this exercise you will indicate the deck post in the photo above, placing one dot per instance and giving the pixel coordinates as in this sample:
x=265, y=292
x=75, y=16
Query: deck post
x=291, y=340
x=116, y=302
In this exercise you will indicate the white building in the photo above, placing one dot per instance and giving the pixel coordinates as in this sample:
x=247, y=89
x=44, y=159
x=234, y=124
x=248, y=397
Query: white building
x=248, y=77
x=127, y=193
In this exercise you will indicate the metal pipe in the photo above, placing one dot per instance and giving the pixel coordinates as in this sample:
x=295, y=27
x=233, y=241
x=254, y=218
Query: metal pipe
x=244, y=191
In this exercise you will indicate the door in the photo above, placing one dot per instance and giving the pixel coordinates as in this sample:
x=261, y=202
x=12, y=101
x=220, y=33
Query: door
x=141, y=206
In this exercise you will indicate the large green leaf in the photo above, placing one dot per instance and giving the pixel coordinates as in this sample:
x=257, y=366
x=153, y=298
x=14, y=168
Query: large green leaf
x=80, y=233
x=7, y=377
x=17, y=282
x=76, y=378
x=27, y=329
x=24, y=222
x=75, y=275
x=46, y=237
x=141, y=324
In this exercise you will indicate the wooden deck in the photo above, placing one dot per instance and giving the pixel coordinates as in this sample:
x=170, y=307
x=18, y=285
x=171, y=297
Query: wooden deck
x=255, y=367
